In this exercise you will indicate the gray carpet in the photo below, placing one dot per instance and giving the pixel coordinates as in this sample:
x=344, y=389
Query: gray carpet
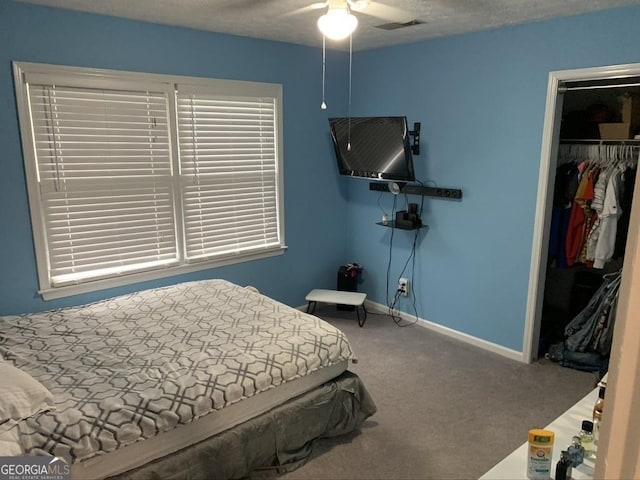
x=446, y=409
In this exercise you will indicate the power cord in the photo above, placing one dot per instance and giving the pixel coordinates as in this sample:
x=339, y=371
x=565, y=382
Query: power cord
x=393, y=213
x=384, y=212
x=393, y=312
x=391, y=304
x=395, y=315
x=413, y=263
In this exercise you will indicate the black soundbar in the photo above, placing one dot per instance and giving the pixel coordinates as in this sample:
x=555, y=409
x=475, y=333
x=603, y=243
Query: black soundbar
x=438, y=192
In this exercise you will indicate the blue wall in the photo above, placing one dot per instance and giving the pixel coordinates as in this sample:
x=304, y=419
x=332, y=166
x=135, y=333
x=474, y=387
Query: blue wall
x=314, y=195
x=481, y=100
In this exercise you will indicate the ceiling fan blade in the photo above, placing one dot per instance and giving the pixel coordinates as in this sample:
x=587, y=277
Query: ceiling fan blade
x=308, y=8
x=244, y=4
x=382, y=11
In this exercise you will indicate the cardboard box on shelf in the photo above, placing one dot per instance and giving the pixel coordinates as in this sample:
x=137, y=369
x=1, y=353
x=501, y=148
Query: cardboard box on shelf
x=615, y=131
x=630, y=112
x=631, y=109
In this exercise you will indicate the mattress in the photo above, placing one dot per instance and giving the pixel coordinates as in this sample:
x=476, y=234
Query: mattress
x=277, y=441
x=141, y=453
x=148, y=364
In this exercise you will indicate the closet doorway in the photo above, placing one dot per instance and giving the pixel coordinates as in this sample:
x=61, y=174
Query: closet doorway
x=568, y=91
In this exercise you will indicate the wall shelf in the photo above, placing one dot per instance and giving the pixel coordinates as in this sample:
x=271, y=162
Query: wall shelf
x=392, y=224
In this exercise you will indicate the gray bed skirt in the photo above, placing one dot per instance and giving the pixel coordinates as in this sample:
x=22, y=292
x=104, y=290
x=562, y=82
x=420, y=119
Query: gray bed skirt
x=280, y=439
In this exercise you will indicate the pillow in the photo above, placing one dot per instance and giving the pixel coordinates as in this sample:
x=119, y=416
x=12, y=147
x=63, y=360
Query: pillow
x=21, y=395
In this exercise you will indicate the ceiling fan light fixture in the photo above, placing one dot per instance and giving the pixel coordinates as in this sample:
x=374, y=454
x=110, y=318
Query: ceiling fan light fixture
x=337, y=23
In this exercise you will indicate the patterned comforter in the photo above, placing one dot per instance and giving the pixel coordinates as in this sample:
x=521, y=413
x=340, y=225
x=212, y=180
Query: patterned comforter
x=128, y=368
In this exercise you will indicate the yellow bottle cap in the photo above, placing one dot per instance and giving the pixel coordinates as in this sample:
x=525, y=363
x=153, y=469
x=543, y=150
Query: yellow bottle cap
x=538, y=435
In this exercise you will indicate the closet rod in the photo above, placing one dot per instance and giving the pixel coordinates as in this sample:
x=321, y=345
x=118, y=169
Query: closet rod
x=629, y=142
x=562, y=89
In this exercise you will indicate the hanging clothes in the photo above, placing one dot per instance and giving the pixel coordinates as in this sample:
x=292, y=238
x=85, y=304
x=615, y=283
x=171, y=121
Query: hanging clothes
x=597, y=204
x=581, y=217
x=628, y=184
x=590, y=188
x=611, y=211
x=588, y=337
x=589, y=329
x=565, y=190
x=591, y=217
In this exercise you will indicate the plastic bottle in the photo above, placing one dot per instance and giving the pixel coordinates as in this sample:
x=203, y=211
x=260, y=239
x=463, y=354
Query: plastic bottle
x=540, y=454
x=597, y=413
x=587, y=440
x=576, y=451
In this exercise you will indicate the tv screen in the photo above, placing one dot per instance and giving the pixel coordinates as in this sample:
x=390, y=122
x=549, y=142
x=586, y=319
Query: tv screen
x=379, y=147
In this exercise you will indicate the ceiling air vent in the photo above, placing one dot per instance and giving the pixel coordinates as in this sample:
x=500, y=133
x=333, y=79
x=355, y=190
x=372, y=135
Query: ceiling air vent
x=396, y=25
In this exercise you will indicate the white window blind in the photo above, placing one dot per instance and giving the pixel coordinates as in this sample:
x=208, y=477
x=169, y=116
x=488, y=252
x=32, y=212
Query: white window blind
x=229, y=174
x=104, y=173
x=135, y=176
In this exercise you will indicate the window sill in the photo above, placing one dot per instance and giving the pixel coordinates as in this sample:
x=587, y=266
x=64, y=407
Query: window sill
x=104, y=284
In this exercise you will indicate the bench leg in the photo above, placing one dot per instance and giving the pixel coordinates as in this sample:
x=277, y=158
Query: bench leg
x=364, y=319
x=310, y=309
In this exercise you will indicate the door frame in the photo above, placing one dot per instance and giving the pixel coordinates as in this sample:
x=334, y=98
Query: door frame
x=546, y=181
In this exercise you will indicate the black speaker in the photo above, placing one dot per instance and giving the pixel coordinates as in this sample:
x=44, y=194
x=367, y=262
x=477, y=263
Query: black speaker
x=409, y=219
x=346, y=283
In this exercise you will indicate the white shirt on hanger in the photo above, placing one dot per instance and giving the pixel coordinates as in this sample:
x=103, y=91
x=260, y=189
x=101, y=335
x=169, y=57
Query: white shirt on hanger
x=611, y=211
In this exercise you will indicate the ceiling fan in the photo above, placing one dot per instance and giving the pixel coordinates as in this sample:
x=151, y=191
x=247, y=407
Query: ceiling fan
x=338, y=22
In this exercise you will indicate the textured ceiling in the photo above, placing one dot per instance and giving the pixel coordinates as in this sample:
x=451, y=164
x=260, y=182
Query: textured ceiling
x=274, y=20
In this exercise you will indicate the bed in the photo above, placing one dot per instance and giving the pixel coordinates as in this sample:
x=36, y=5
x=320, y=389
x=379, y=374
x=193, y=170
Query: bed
x=202, y=379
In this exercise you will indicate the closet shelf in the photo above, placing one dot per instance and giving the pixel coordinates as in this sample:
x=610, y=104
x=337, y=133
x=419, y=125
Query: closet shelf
x=635, y=141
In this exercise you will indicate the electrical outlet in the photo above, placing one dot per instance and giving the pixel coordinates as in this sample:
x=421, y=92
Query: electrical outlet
x=403, y=286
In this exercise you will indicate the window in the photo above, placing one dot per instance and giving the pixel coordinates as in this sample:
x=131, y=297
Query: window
x=228, y=173
x=136, y=176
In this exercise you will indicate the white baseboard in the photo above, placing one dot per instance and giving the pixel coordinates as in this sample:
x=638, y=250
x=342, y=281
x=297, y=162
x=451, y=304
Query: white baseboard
x=375, y=307
x=449, y=332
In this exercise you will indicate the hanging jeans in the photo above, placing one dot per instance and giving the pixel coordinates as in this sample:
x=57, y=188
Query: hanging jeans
x=584, y=361
x=582, y=331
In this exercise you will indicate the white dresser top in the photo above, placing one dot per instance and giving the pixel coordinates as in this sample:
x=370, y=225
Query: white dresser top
x=566, y=426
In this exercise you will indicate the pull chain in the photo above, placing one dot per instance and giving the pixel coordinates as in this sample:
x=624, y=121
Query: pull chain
x=350, y=61
x=323, y=106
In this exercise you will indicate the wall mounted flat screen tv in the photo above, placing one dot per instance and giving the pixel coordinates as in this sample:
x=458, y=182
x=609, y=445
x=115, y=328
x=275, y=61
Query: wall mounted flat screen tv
x=380, y=147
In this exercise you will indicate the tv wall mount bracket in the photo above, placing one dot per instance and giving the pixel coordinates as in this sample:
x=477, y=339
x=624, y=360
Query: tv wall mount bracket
x=415, y=133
